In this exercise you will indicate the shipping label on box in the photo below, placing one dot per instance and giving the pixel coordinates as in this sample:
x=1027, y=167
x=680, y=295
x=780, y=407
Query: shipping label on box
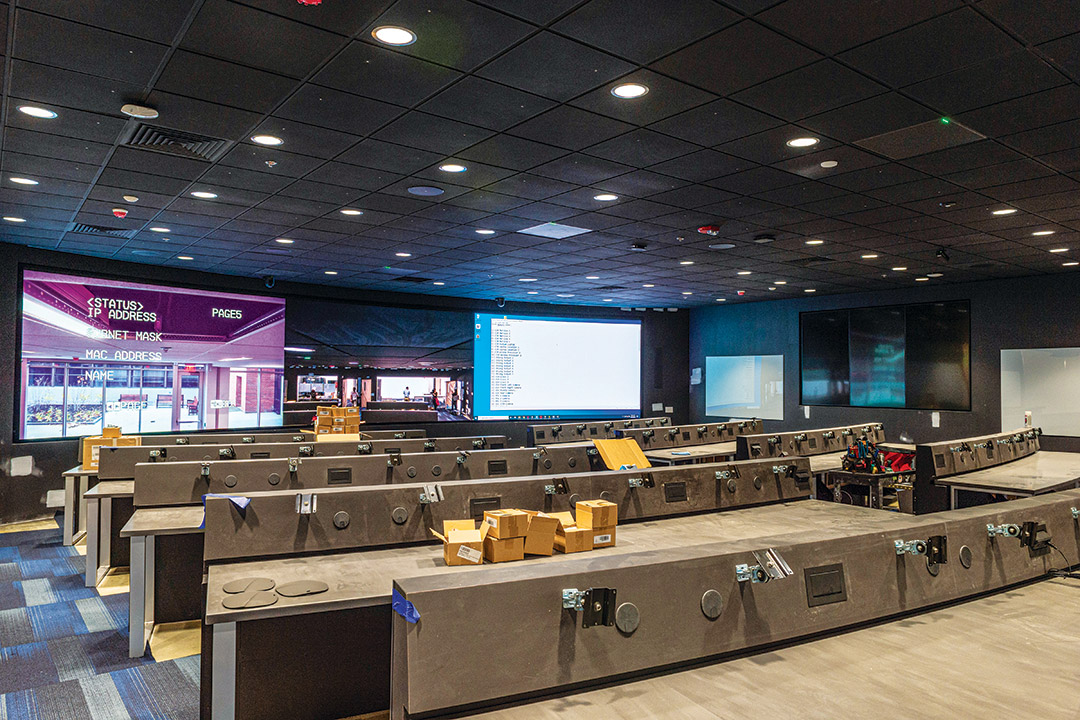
x=324, y=410
x=597, y=514
x=504, y=524
x=603, y=537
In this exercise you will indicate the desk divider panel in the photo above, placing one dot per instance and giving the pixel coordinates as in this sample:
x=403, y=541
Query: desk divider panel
x=806, y=442
x=683, y=435
x=120, y=465
x=361, y=517
x=511, y=636
x=184, y=483
x=553, y=433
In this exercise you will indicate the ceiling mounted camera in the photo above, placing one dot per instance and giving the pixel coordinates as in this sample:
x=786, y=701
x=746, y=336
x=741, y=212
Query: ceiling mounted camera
x=500, y=301
x=269, y=281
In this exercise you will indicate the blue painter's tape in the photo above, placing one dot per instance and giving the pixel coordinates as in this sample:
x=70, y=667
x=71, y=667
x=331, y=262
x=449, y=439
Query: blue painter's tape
x=403, y=607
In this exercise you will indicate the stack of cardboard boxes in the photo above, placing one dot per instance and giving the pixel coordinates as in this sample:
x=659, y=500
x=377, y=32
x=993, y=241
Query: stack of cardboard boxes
x=110, y=436
x=331, y=420
x=507, y=535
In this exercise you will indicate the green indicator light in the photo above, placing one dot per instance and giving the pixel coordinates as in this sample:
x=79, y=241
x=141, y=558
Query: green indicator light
x=945, y=121
x=386, y=267
x=307, y=357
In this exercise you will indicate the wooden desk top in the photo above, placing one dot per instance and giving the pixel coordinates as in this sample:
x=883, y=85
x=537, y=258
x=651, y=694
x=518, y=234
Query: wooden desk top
x=827, y=462
x=179, y=520
x=1035, y=474
x=692, y=452
x=111, y=489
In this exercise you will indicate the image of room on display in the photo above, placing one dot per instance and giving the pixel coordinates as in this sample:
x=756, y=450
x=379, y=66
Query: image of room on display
x=744, y=386
x=145, y=358
x=532, y=368
x=902, y=356
x=398, y=365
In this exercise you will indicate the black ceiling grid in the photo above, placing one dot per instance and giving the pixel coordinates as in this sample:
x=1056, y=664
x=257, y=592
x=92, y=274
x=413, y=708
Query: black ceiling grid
x=520, y=93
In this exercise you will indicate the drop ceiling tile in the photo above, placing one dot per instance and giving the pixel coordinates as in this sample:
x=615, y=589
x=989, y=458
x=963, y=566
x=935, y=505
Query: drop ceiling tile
x=360, y=178
x=64, y=88
x=304, y=139
x=223, y=82
x=816, y=88
x=1027, y=113
x=47, y=145
x=539, y=13
x=383, y=74
x=341, y=111
x=642, y=148
x=869, y=118
x=201, y=117
x=570, y=128
x=256, y=158
x=581, y=169
x=432, y=133
x=532, y=187
x=639, y=183
x=754, y=181
x=481, y=102
x=715, y=123
x=666, y=97
x=221, y=175
x=702, y=165
x=1036, y=21
x=512, y=152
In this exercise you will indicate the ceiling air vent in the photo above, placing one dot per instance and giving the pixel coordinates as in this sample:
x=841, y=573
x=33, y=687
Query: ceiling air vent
x=609, y=288
x=810, y=261
x=177, y=142
x=413, y=279
x=84, y=229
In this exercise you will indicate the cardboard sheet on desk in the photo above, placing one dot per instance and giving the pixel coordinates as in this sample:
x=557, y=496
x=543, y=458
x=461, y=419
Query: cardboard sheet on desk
x=624, y=452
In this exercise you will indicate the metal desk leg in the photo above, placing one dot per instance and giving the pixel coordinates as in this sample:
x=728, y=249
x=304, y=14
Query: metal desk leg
x=223, y=673
x=141, y=595
x=953, y=493
x=98, y=539
x=80, y=519
x=69, y=510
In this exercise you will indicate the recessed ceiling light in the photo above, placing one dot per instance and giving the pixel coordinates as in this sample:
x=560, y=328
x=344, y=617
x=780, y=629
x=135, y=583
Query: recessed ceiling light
x=329, y=272
x=285, y=241
x=348, y=211
x=648, y=285
x=809, y=290
x=629, y=91
x=403, y=254
x=38, y=112
x=139, y=111
x=23, y=181
x=744, y=272
x=526, y=279
x=1070, y=264
x=688, y=293
x=14, y=219
x=425, y=190
x=921, y=279
x=131, y=198
x=815, y=242
x=266, y=140
x=1059, y=250
x=439, y=283
x=899, y=269
x=159, y=229
x=607, y=299
x=723, y=246
x=869, y=256
x=184, y=257
x=721, y=299
x=533, y=292
x=1005, y=211
x=686, y=262
x=829, y=164
x=933, y=275
x=393, y=35
x=605, y=197
x=779, y=282
x=592, y=277
x=298, y=349
x=204, y=195
x=802, y=142
x=485, y=232
x=453, y=168
x=771, y=288
x=1040, y=233
x=566, y=295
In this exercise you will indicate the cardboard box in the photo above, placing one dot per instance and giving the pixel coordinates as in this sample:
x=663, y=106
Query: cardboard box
x=338, y=412
x=463, y=544
x=502, y=549
x=324, y=435
x=322, y=430
x=111, y=431
x=569, y=538
x=597, y=514
x=540, y=536
x=352, y=412
x=324, y=410
x=505, y=524
x=337, y=430
x=338, y=419
x=91, y=446
x=603, y=537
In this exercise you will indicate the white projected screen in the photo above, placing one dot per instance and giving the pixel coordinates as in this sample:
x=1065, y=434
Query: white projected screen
x=745, y=386
x=557, y=368
x=393, y=387
x=1044, y=382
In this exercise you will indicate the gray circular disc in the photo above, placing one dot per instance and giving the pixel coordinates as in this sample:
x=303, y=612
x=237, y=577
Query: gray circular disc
x=341, y=519
x=234, y=587
x=932, y=568
x=411, y=472
x=712, y=604
x=731, y=486
x=399, y=515
x=574, y=499
x=627, y=618
x=249, y=600
x=302, y=587
x=547, y=464
x=607, y=495
x=757, y=483
x=965, y=557
x=436, y=470
x=572, y=462
x=206, y=457
x=274, y=479
x=230, y=481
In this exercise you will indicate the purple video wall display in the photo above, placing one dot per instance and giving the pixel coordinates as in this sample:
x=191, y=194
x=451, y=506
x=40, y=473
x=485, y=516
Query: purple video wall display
x=146, y=358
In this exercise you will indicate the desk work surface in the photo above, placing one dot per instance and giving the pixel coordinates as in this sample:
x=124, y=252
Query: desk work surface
x=179, y=520
x=360, y=579
x=78, y=471
x=692, y=452
x=826, y=462
x=1039, y=473
x=111, y=489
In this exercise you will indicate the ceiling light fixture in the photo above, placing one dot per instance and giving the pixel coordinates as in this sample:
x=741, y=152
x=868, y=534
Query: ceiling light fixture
x=485, y=232
x=403, y=254
x=592, y=277
x=809, y=290
x=605, y=197
x=38, y=112
x=1006, y=211
x=184, y=257
x=526, y=279
x=139, y=111
x=1041, y=233
x=329, y=272
x=565, y=295
x=204, y=195
x=533, y=292
x=933, y=275
x=686, y=262
x=688, y=293
x=1059, y=250
x=899, y=269
x=779, y=282
x=131, y=198
x=815, y=242
x=744, y=272
x=10, y=218
x=23, y=181
x=829, y=164
x=921, y=279
x=348, y=211
x=284, y=241
x=802, y=142
x=298, y=349
x=159, y=229
x=439, y=283
x=269, y=140
x=425, y=190
x=1070, y=264
x=393, y=35
x=453, y=168
x=648, y=285
x=721, y=299
x=608, y=300
x=629, y=91
x=728, y=246
x=869, y=256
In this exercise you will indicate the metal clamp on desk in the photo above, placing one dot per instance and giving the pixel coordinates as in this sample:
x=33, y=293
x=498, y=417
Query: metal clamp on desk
x=828, y=435
x=429, y=446
x=596, y=605
x=609, y=426
x=1007, y=530
x=641, y=482
x=159, y=454
x=801, y=437
x=431, y=494
x=399, y=436
x=556, y=429
x=846, y=432
x=204, y=471
x=226, y=453
x=771, y=566
x=393, y=459
x=702, y=430
x=540, y=453
x=647, y=434
x=298, y=438
x=581, y=428
x=479, y=443
x=559, y=487
x=934, y=548
x=306, y=450
x=592, y=452
x=247, y=439
x=363, y=449
x=673, y=432
x=294, y=465
x=463, y=456
x=1075, y=513
x=306, y=503
x=183, y=441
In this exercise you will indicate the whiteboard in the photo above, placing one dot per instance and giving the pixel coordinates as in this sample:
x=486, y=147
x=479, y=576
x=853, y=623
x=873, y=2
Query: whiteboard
x=1044, y=382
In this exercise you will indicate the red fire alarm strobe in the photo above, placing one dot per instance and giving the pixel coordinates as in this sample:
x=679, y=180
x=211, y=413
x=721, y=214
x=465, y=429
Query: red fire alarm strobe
x=310, y=2
x=120, y=212
x=713, y=230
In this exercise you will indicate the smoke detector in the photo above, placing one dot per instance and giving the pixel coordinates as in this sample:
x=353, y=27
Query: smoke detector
x=139, y=111
x=639, y=247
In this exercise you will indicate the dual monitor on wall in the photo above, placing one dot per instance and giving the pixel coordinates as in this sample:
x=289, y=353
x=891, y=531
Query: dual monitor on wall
x=148, y=358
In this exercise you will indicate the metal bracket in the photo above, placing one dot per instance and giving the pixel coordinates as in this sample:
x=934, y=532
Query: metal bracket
x=673, y=432
x=771, y=566
x=462, y=457
x=846, y=432
x=1034, y=536
x=911, y=547
x=596, y=605
x=647, y=434
x=155, y=455
x=608, y=427
x=247, y=439
x=306, y=503
x=641, y=482
x=431, y=494
x=801, y=437
x=774, y=440
x=399, y=436
x=723, y=474
x=540, y=453
x=183, y=441
x=363, y=449
x=702, y=429
x=1075, y=513
x=204, y=471
x=592, y=452
x=393, y=459
x=298, y=438
x=429, y=446
x=294, y=465
x=479, y=443
x=581, y=428
x=559, y=487
x=556, y=429
x=934, y=548
x=782, y=469
x=1006, y=530
x=305, y=450
x=226, y=453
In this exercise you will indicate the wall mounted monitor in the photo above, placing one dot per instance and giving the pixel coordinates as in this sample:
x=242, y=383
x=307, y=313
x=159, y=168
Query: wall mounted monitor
x=146, y=358
x=535, y=368
x=744, y=386
x=1044, y=382
x=902, y=356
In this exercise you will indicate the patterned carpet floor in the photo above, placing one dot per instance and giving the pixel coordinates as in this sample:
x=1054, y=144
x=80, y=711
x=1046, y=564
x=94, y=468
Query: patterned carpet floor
x=63, y=647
